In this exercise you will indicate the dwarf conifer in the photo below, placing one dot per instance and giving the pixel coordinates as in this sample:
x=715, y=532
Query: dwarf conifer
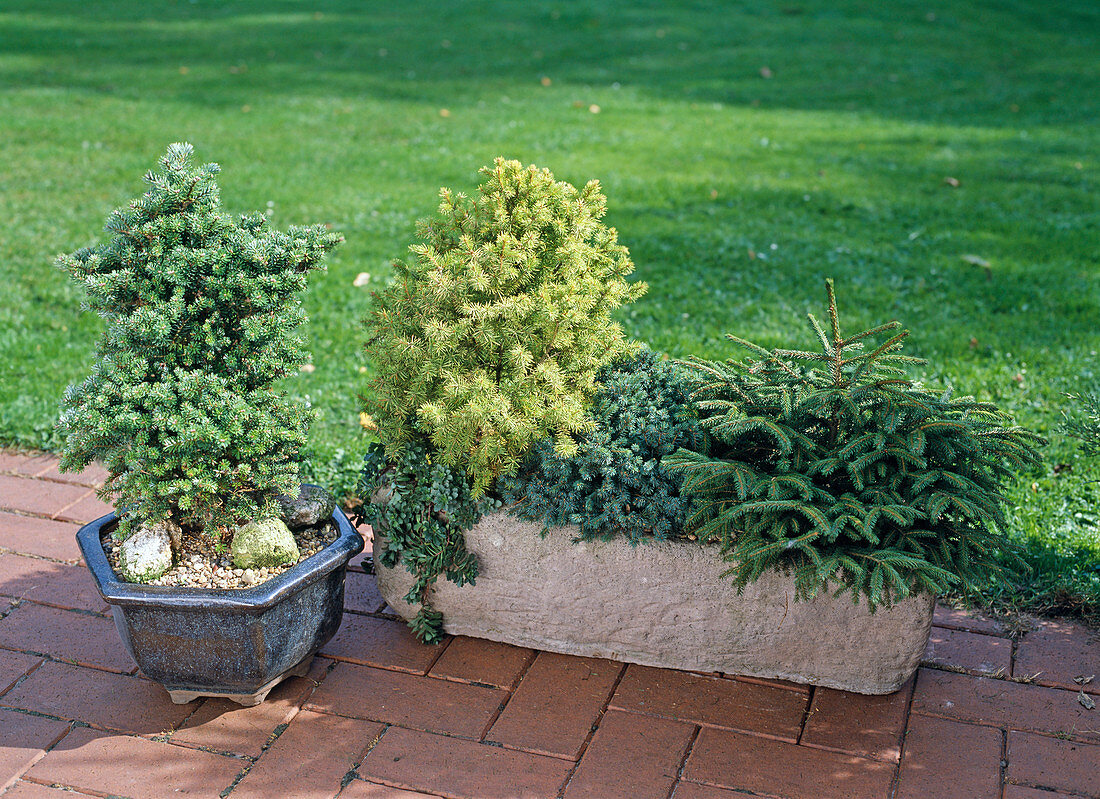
x=202, y=316
x=491, y=337
x=836, y=466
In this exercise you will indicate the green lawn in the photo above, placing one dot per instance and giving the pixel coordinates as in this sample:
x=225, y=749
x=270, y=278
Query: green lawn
x=748, y=150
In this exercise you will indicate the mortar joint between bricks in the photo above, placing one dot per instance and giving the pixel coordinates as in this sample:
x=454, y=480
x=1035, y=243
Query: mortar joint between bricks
x=595, y=726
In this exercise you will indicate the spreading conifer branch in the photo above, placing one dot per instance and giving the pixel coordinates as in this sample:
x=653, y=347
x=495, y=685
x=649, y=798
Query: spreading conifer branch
x=835, y=467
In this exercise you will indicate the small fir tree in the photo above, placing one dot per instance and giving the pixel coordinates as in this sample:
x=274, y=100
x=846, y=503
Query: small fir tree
x=835, y=466
x=491, y=337
x=202, y=316
x=617, y=483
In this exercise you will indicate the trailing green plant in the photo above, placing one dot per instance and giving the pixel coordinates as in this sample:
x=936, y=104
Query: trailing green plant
x=491, y=337
x=835, y=466
x=202, y=316
x=616, y=483
x=424, y=507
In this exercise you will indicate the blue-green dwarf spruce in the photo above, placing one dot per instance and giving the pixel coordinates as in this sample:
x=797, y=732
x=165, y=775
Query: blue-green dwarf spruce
x=202, y=317
x=835, y=466
x=616, y=484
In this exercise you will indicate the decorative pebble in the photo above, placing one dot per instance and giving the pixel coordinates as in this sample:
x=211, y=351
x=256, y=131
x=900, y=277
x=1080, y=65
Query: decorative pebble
x=213, y=570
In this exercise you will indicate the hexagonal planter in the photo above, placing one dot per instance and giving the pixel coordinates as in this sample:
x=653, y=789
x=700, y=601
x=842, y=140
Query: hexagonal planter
x=666, y=604
x=232, y=643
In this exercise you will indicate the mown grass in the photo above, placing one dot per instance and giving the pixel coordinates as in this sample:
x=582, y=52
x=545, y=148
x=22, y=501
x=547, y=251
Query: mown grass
x=748, y=150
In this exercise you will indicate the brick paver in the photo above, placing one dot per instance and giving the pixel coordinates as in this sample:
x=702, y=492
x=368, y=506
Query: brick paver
x=225, y=726
x=66, y=635
x=32, y=790
x=1061, y=654
x=1023, y=792
x=100, y=698
x=972, y=652
x=868, y=726
x=361, y=593
x=557, y=703
x=123, y=765
x=310, y=758
x=950, y=760
x=38, y=497
x=712, y=701
x=484, y=662
x=50, y=583
x=33, y=535
x=631, y=760
x=419, y=702
x=993, y=712
x=729, y=759
x=1000, y=703
x=361, y=789
x=1053, y=763
x=23, y=739
x=13, y=665
x=384, y=643
x=438, y=764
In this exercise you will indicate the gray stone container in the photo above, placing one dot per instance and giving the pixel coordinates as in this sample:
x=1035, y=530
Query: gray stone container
x=231, y=643
x=666, y=604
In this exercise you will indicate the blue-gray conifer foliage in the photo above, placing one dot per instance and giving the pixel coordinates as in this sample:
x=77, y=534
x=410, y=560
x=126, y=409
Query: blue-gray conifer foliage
x=616, y=483
x=202, y=318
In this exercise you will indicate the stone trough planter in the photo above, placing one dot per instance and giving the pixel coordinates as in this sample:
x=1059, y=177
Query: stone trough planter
x=666, y=604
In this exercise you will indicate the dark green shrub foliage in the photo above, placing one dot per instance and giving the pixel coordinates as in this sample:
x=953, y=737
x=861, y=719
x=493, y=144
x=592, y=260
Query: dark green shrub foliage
x=616, y=483
x=423, y=507
x=1083, y=421
x=202, y=315
x=833, y=465
x=492, y=337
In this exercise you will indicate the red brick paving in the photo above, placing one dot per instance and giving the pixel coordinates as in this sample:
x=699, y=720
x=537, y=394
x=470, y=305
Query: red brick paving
x=556, y=705
x=50, y=583
x=385, y=643
x=484, y=662
x=310, y=758
x=949, y=760
x=122, y=765
x=1053, y=763
x=868, y=726
x=454, y=767
x=82, y=638
x=23, y=740
x=629, y=760
x=1058, y=652
x=712, y=701
x=32, y=790
x=408, y=700
x=1023, y=792
x=33, y=535
x=971, y=652
x=734, y=760
x=395, y=719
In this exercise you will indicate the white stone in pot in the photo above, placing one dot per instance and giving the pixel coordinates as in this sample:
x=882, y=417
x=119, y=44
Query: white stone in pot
x=146, y=554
